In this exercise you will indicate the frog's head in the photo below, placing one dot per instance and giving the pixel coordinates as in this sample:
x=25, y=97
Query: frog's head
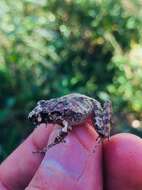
x=40, y=113
x=44, y=113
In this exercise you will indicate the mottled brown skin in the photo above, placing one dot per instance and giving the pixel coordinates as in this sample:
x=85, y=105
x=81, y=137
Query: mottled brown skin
x=71, y=110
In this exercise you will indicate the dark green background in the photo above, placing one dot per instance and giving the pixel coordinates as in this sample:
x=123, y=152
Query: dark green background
x=51, y=48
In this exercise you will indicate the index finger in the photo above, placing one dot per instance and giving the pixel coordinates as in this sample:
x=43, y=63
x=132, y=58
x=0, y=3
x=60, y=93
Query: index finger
x=18, y=169
x=71, y=165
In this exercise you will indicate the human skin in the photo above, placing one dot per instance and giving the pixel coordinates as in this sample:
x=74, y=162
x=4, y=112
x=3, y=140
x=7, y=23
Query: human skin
x=73, y=165
x=123, y=162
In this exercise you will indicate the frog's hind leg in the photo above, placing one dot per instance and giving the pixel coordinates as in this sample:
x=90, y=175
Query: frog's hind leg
x=107, y=118
x=103, y=118
x=62, y=134
x=99, y=140
x=98, y=123
x=98, y=118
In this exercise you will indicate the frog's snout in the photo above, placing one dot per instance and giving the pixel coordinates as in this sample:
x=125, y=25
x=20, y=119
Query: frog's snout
x=37, y=116
x=32, y=118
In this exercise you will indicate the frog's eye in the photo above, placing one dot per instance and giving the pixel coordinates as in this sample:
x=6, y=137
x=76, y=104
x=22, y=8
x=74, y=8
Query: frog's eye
x=45, y=117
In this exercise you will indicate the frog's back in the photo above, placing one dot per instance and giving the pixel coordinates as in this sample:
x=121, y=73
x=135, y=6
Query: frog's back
x=76, y=97
x=76, y=103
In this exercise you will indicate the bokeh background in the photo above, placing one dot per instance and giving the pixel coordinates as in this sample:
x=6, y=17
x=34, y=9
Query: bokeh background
x=49, y=48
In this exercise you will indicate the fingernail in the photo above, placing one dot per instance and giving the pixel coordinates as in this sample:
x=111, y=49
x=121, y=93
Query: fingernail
x=66, y=158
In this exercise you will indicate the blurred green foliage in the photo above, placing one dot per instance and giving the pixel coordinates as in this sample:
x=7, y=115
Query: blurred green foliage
x=49, y=48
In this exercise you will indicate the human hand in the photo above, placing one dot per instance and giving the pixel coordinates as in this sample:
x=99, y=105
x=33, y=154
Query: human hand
x=73, y=165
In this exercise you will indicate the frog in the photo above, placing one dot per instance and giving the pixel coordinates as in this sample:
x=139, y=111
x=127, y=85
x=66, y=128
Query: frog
x=71, y=110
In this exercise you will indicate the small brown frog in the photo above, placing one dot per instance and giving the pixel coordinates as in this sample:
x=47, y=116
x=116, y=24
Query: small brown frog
x=71, y=110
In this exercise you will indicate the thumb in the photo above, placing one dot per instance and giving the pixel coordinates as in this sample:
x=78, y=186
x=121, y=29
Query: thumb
x=71, y=165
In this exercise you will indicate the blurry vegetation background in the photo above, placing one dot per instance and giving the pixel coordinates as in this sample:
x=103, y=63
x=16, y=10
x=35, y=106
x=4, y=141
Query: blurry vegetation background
x=49, y=48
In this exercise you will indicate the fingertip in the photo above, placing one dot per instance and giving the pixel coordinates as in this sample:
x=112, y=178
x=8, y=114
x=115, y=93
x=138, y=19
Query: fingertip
x=122, y=137
x=122, y=161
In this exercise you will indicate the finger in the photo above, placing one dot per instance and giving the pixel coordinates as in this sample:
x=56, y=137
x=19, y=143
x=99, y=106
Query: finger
x=123, y=162
x=18, y=169
x=71, y=165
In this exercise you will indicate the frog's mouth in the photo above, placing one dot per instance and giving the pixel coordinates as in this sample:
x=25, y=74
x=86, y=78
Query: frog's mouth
x=39, y=118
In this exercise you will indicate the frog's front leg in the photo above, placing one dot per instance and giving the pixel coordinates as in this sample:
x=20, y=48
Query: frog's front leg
x=62, y=134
